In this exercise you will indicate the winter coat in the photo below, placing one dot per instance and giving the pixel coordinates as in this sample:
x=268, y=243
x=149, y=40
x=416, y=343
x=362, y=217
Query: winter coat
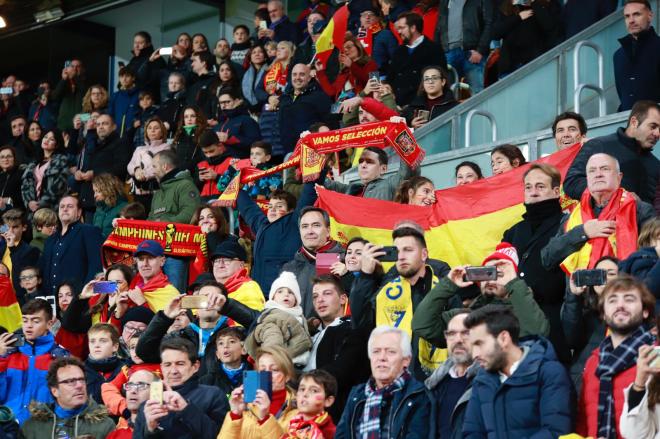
x=297, y=113
x=176, y=200
x=216, y=376
x=578, y=15
x=642, y=422
x=69, y=93
x=305, y=271
x=146, y=72
x=23, y=255
x=10, y=184
x=123, y=107
x=104, y=214
x=285, y=30
x=643, y=264
x=171, y=109
x=384, y=45
x=201, y=419
x=23, y=374
x=275, y=243
x=477, y=24
x=93, y=421
x=251, y=80
x=94, y=373
x=535, y=401
x=46, y=115
x=409, y=413
x=420, y=103
x=637, y=69
x=640, y=168
x=53, y=185
x=406, y=68
x=8, y=424
x=200, y=94
x=524, y=40
x=143, y=159
x=135, y=136
x=188, y=151
x=277, y=326
x=242, y=131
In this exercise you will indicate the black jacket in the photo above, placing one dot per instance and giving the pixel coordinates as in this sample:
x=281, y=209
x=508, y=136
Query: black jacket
x=637, y=68
x=218, y=378
x=146, y=72
x=640, y=167
x=95, y=373
x=10, y=187
x=578, y=15
x=201, y=419
x=200, y=93
x=419, y=103
x=478, y=16
x=171, y=110
x=406, y=68
x=188, y=152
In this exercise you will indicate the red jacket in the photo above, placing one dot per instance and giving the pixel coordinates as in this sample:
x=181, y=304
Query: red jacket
x=587, y=419
x=430, y=20
x=357, y=75
x=210, y=186
x=76, y=343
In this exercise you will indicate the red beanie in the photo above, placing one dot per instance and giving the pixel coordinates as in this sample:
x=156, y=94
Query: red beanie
x=504, y=250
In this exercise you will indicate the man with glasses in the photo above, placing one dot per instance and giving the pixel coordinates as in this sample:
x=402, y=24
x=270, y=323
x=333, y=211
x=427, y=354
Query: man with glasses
x=137, y=392
x=235, y=128
x=228, y=261
x=73, y=414
x=376, y=39
x=281, y=28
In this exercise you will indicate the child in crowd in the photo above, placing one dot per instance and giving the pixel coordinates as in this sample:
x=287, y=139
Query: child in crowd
x=146, y=110
x=123, y=104
x=282, y=322
x=316, y=393
x=74, y=341
x=44, y=223
x=271, y=51
x=216, y=164
x=260, y=156
x=30, y=278
x=103, y=363
x=230, y=354
x=134, y=211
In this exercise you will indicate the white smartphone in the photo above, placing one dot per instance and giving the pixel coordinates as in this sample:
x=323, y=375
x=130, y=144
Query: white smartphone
x=165, y=51
x=263, y=25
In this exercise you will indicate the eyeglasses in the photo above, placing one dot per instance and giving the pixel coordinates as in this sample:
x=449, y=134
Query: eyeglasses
x=136, y=386
x=224, y=261
x=432, y=78
x=222, y=104
x=6, y=157
x=452, y=334
x=73, y=381
x=28, y=277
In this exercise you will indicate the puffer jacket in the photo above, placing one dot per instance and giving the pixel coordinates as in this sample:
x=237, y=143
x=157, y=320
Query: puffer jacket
x=242, y=131
x=123, y=108
x=93, y=421
x=104, y=215
x=143, y=159
x=176, y=200
x=188, y=151
x=53, y=185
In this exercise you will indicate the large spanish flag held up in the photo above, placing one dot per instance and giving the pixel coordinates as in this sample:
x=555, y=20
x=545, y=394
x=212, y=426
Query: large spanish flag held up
x=10, y=311
x=463, y=227
x=333, y=35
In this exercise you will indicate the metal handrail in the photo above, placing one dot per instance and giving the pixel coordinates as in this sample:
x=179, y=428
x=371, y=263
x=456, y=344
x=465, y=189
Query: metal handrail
x=602, y=103
x=578, y=87
x=468, y=124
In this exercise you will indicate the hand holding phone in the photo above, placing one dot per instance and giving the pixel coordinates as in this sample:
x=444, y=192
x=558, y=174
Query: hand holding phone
x=589, y=278
x=105, y=287
x=156, y=391
x=391, y=254
x=254, y=380
x=480, y=274
x=324, y=262
x=194, y=302
x=165, y=51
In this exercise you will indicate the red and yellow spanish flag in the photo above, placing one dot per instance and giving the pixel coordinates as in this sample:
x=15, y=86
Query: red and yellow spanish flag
x=463, y=227
x=333, y=35
x=10, y=311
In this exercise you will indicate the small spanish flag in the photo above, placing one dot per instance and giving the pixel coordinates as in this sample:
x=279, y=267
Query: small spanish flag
x=333, y=35
x=10, y=311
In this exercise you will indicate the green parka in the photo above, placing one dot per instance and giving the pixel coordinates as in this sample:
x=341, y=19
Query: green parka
x=94, y=421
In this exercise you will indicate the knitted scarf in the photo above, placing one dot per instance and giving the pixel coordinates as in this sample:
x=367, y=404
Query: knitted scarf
x=300, y=428
x=370, y=427
x=236, y=280
x=611, y=362
x=311, y=255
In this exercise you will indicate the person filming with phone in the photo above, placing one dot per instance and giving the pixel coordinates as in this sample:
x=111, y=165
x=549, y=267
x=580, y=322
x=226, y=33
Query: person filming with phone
x=434, y=97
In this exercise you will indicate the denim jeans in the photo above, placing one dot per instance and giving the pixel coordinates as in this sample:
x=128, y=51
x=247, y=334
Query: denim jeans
x=473, y=73
x=176, y=269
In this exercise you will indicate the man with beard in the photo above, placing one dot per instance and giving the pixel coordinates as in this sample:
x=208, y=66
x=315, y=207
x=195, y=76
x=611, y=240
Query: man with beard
x=627, y=307
x=451, y=383
x=522, y=390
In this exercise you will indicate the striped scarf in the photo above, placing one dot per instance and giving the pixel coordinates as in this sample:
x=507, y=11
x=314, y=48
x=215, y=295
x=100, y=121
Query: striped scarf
x=370, y=427
x=611, y=362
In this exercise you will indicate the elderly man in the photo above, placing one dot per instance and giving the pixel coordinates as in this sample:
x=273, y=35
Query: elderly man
x=568, y=129
x=632, y=147
x=280, y=28
x=137, y=392
x=392, y=403
x=301, y=106
x=605, y=222
x=74, y=413
x=228, y=261
x=69, y=92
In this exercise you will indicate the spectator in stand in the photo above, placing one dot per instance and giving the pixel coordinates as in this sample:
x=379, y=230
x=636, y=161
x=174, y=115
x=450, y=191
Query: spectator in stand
x=505, y=158
x=540, y=223
x=33, y=134
x=349, y=270
x=19, y=140
x=199, y=93
x=417, y=190
x=632, y=147
x=230, y=360
x=137, y=392
x=146, y=76
x=44, y=224
x=178, y=62
x=433, y=97
x=464, y=30
x=241, y=44
x=110, y=200
x=185, y=41
x=314, y=24
x=253, y=79
x=69, y=92
x=568, y=129
x=8, y=111
x=274, y=83
x=227, y=79
x=216, y=164
x=173, y=101
x=185, y=142
x=199, y=43
x=528, y=29
x=30, y=279
x=43, y=109
x=15, y=248
x=578, y=15
x=314, y=227
x=372, y=166
x=376, y=102
x=19, y=386
x=65, y=335
x=467, y=172
x=260, y=158
x=581, y=320
x=627, y=308
x=140, y=168
x=71, y=253
x=391, y=10
x=10, y=179
x=96, y=99
x=637, y=62
x=606, y=211
x=236, y=130
x=123, y=104
x=376, y=39
x=280, y=27
x=146, y=110
x=44, y=182
x=260, y=14
x=643, y=264
x=252, y=421
x=188, y=409
x=428, y=10
x=392, y=401
x=355, y=65
x=74, y=412
x=103, y=364
x=222, y=52
x=410, y=58
x=522, y=389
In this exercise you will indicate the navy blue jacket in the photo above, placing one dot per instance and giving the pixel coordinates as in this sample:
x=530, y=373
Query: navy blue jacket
x=275, y=243
x=409, y=415
x=637, y=68
x=123, y=108
x=241, y=129
x=643, y=264
x=298, y=113
x=23, y=255
x=533, y=402
x=285, y=30
x=74, y=257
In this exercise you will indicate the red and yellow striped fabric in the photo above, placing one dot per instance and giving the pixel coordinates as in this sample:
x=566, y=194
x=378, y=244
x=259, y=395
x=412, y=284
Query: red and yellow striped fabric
x=463, y=227
x=333, y=35
x=10, y=311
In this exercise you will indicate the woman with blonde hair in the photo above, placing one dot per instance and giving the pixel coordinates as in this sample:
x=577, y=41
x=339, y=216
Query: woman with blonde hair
x=96, y=99
x=260, y=418
x=140, y=168
x=110, y=199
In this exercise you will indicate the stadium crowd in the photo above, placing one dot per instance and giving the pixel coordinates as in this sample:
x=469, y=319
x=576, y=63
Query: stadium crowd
x=287, y=333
